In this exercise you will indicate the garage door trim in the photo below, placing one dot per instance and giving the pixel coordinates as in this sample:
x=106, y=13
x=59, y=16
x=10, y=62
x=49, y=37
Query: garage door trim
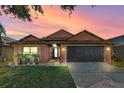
x=101, y=55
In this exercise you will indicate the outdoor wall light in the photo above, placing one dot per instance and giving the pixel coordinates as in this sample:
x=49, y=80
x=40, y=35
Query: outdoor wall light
x=63, y=49
x=54, y=45
x=108, y=48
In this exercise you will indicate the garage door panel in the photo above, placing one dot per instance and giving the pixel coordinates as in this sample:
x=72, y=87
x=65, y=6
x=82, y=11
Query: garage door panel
x=85, y=54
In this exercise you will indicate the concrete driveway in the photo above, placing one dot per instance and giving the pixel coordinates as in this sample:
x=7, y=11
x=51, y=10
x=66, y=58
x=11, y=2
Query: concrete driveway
x=96, y=75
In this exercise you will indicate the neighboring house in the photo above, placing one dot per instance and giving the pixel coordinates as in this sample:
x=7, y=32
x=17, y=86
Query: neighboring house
x=7, y=50
x=7, y=39
x=118, y=48
x=62, y=46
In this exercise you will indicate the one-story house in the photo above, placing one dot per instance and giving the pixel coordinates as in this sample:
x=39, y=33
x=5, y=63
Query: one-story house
x=63, y=46
x=118, y=48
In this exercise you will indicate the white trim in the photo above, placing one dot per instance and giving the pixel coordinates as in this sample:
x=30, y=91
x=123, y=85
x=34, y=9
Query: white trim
x=33, y=45
x=65, y=53
x=85, y=45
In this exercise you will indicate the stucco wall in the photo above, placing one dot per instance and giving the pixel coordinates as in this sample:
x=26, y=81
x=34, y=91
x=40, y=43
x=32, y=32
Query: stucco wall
x=17, y=50
x=63, y=53
x=45, y=53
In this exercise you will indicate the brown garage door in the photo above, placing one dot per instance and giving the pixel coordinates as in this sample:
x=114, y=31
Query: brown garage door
x=85, y=54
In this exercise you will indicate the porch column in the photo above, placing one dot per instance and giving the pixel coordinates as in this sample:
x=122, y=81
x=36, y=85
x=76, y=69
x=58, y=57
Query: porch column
x=17, y=50
x=107, y=54
x=63, y=53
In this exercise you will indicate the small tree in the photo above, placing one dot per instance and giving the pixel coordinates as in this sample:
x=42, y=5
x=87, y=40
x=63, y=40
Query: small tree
x=2, y=32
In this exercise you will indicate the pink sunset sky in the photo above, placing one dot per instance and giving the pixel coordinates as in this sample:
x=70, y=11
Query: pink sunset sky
x=104, y=21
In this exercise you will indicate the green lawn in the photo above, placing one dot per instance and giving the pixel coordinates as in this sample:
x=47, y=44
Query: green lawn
x=119, y=64
x=36, y=77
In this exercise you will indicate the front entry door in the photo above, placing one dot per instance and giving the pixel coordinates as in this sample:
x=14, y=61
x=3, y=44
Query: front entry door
x=55, y=52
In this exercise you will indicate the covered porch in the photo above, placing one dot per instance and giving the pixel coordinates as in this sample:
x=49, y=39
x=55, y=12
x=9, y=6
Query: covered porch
x=53, y=53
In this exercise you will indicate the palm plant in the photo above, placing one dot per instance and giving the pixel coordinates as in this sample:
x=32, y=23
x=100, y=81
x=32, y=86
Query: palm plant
x=2, y=32
x=23, y=59
x=19, y=58
x=26, y=58
x=35, y=58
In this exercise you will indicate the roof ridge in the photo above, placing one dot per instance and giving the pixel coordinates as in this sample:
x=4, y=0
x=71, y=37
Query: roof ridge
x=58, y=31
x=86, y=32
x=94, y=34
x=28, y=36
x=75, y=35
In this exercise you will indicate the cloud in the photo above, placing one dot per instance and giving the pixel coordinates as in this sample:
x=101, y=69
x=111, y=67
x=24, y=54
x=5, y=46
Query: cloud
x=13, y=32
x=105, y=21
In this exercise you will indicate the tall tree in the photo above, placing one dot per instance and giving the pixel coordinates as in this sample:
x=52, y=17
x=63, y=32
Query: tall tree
x=2, y=32
x=23, y=11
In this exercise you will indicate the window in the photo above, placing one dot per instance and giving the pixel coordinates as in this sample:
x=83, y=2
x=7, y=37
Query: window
x=55, y=52
x=30, y=50
x=34, y=50
x=26, y=50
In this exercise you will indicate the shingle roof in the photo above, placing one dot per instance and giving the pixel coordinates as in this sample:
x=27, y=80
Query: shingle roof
x=30, y=39
x=59, y=35
x=62, y=36
x=119, y=40
x=85, y=36
x=7, y=39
